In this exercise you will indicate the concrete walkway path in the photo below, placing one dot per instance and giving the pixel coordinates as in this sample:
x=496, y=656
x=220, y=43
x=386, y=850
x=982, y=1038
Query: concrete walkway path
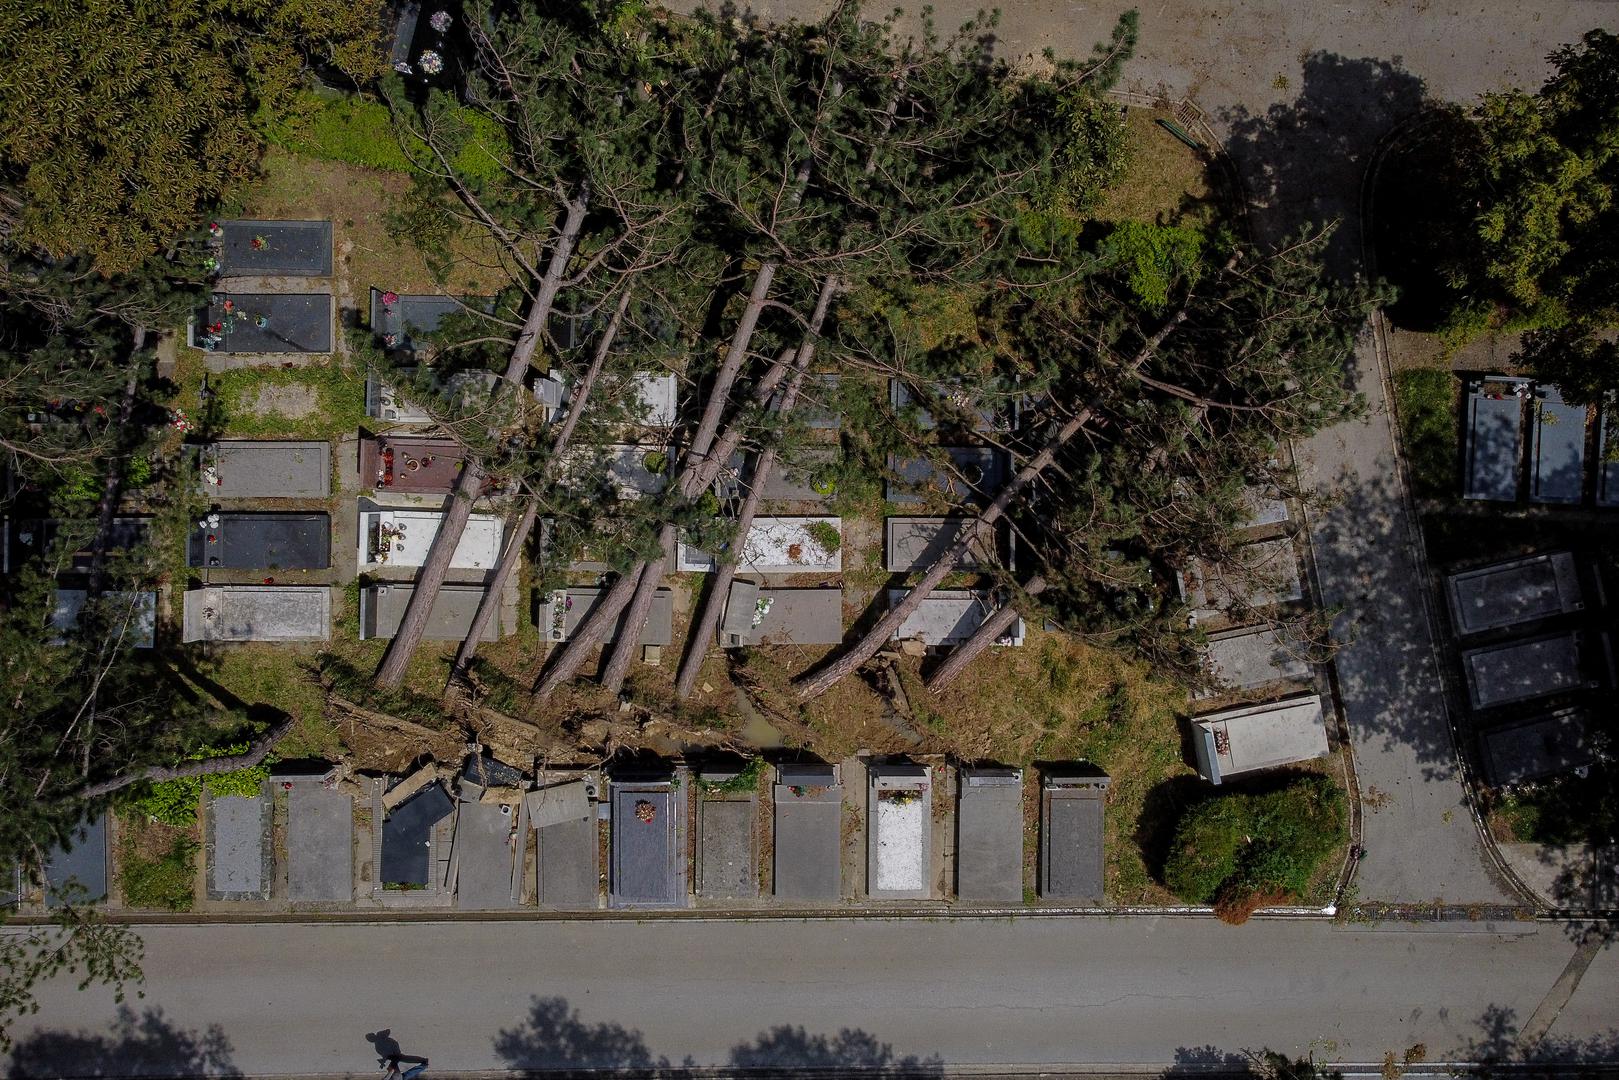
x=278, y=1000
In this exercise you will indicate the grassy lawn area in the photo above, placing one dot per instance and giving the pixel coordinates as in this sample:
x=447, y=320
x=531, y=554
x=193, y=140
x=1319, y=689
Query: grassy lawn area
x=314, y=401
x=357, y=200
x=1425, y=400
x=1165, y=181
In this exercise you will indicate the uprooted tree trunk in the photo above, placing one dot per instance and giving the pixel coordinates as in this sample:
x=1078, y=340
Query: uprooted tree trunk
x=108, y=505
x=567, y=661
x=701, y=634
x=156, y=774
x=979, y=531
x=988, y=632
x=618, y=663
x=469, y=485
x=513, y=553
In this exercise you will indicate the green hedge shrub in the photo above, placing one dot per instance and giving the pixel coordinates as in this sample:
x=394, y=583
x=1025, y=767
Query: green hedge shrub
x=1235, y=846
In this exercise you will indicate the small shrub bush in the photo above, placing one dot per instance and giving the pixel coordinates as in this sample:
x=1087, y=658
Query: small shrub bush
x=1240, y=851
x=826, y=535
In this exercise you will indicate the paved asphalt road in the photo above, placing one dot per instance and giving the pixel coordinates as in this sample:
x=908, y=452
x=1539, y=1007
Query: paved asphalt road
x=1300, y=93
x=300, y=999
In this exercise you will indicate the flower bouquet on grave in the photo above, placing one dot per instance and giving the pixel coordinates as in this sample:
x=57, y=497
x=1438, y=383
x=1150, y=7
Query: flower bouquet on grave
x=645, y=811
x=440, y=21
x=215, y=229
x=559, y=609
x=430, y=62
x=761, y=608
x=261, y=242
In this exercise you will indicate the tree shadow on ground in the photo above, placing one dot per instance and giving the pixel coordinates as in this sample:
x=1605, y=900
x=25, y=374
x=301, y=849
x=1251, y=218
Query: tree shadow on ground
x=1501, y=1042
x=138, y=1045
x=1387, y=676
x=792, y=1051
x=1303, y=161
x=555, y=1038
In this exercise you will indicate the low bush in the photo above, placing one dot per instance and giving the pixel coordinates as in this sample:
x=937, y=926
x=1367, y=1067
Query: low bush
x=1238, y=851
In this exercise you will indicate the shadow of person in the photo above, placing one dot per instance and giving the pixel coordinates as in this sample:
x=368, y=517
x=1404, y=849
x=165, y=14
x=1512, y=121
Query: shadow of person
x=386, y=1046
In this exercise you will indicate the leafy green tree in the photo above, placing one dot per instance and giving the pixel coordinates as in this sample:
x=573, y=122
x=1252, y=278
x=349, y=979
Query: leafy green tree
x=120, y=121
x=1504, y=214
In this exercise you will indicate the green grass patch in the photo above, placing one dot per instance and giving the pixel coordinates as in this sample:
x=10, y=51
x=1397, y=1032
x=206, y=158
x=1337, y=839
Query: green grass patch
x=360, y=132
x=1237, y=851
x=743, y=782
x=174, y=802
x=1165, y=181
x=157, y=872
x=321, y=400
x=1425, y=400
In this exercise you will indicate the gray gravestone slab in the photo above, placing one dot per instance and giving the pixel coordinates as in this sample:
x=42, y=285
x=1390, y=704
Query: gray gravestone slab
x=989, y=859
x=729, y=869
x=975, y=473
x=1558, y=467
x=1543, y=746
x=1520, y=670
x=292, y=323
x=808, y=856
x=284, y=248
x=237, y=855
x=320, y=844
x=483, y=854
x=1073, y=847
x=1494, y=430
x=644, y=852
x=262, y=541
x=82, y=864
x=1516, y=591
x=567, y=870
x=1245, y=660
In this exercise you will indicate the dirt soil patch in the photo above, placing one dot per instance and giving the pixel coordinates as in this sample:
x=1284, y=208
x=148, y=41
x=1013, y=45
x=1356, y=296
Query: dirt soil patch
x=291, y=401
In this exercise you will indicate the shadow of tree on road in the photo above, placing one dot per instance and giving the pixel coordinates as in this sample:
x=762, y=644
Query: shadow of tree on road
x=556, y=1037
x=1302, y=161
x=1501, y=1042
x=790, y=1051
x=138, y=1045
